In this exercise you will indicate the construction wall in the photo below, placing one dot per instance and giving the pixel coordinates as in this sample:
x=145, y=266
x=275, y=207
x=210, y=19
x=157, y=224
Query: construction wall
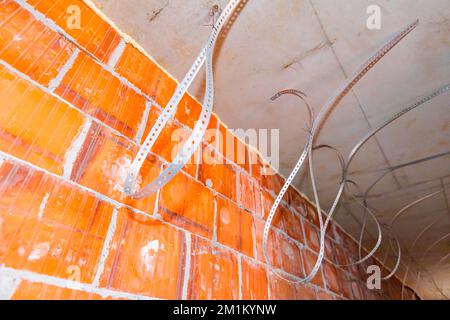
x=76, y=102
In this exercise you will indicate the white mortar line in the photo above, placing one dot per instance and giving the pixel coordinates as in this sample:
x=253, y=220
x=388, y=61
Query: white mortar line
x=75, y=148
x=240, y=275
x=187, y=266
x=8, y=286
x=106, y=245
x=54, y=83
x=116, y=54
x=143, y=124
x=68, y=284
x=215, y=217
x=43, y=204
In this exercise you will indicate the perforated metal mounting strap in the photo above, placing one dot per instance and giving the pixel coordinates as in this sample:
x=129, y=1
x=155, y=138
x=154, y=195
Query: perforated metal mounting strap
x=169, y=111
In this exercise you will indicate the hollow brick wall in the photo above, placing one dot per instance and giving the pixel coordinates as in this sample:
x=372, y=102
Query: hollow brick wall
x=76, y=104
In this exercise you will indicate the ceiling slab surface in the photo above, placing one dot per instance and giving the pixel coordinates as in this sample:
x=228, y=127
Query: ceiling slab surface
x=313, y=46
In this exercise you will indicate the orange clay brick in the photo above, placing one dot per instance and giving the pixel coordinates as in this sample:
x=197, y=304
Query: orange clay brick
x=188, y=111
x=97, y=92
x=292, y=225
x=218, y=175
x=188, y=204
x=93, y=34
x=256, y=164
x=30, y=46
x=345, y=284
x=67, y=230
x=213, y=273
x=331, y=277
x=274, y=183
x=39, y=291
x=103, y=164
x=271, y=242
x=284, y=219
x=254, y=280
x=324, y=295
x=340, y=255
x=296, y=201
x=311, y=236
x=146, y=257
x=309, y=261
x=234, y=226
x=278, y=220
x=20, y=189
x=171, y=139
x=306, y=292
x=146, y=75
x=232, y=148
x=250, y=194
x=35, y=126
x=281, y=289
x=282, y=252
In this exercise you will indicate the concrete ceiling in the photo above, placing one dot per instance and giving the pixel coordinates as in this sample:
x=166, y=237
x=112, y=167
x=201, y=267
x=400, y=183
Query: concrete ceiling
x=313, y=45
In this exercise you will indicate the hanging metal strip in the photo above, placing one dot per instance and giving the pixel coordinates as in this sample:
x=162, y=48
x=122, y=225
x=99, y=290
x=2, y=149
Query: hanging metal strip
x=329, y=106
x=170, y=110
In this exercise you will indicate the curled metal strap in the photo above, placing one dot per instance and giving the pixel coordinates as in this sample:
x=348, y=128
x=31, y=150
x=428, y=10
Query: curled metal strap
x=329, y=106
x=169, y=112
x=363, y=141
x=410, y=205
x=302, y=96
x=399, y=256
x=424, y=230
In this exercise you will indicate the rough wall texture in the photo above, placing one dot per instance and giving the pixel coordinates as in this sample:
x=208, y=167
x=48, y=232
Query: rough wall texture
x=76, y=103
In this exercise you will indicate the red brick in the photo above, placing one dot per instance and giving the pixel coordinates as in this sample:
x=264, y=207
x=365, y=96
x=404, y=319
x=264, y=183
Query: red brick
x=188, y=111
x=292, y=225
x=213, y=273
x=250, y=194
x=188, y=204
x=296, y=201
x=311, y=236
x=309, y=261
x=68, y=228
x=39, y=291
x=170, y=141
x=20, y=189
x=103, y=164
x=94, y=34
x=30, y=46
x=323, y=295
x=277, y=220
x=97, y=92
x=256, y=164
x=274, y=183
x=146, y=257
x=234, y=226
x=35, y=126
x=233, y=148
x=215, y=173
x=254, y=280
x=145, y=74
x=282, y=289
x=282, y=252
x=332, y=277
